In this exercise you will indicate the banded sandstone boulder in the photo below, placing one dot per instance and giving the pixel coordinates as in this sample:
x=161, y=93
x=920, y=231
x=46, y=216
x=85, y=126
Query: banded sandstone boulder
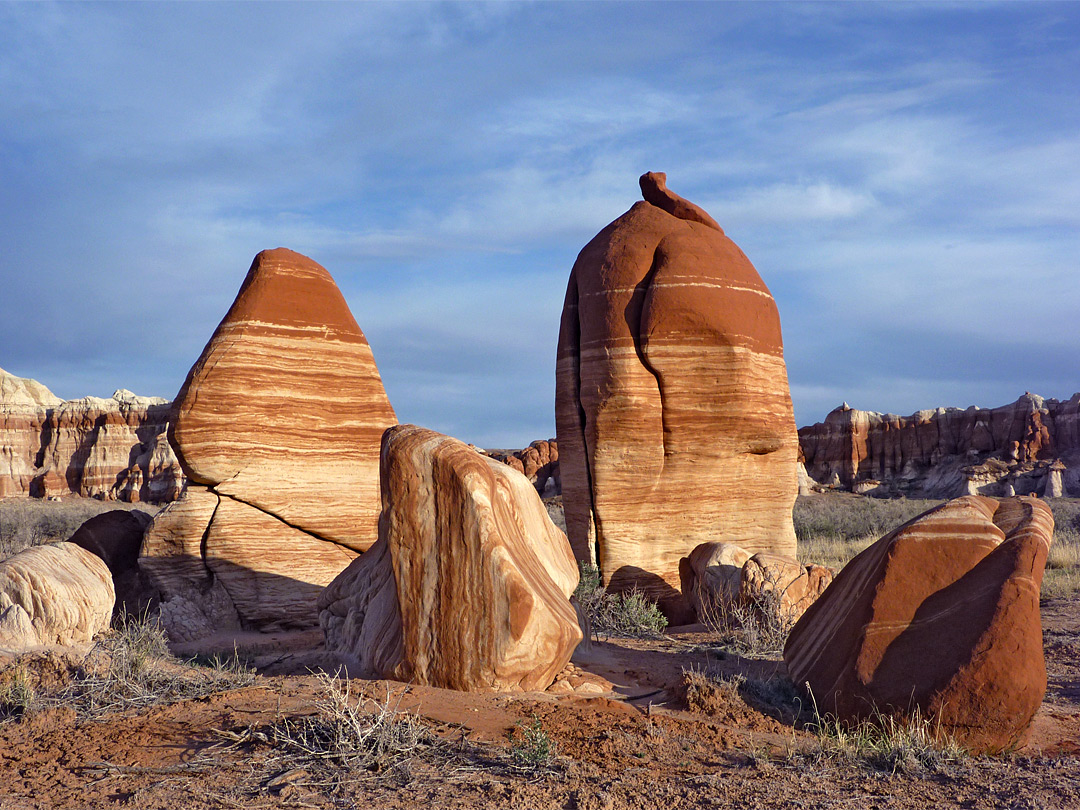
x=278, y=428
x=941, y=615
x=710, y=576
x=782, y=583
x=468, y=585
x=285, y=408
x=55, y=594
x=674, y=418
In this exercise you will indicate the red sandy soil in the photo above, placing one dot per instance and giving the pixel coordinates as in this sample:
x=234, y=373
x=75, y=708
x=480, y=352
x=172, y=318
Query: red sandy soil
x=642, y=744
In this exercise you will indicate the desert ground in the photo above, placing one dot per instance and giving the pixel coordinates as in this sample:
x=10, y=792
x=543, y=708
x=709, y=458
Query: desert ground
x=691, y=717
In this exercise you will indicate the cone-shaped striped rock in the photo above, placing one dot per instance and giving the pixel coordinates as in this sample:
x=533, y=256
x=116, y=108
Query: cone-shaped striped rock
x=674, y=417
x=941, y=615
x=285, y=408
x=56, y=594
x=468, y=586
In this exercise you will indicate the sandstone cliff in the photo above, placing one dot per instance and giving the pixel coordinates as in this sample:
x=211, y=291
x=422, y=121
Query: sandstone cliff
x=113, y=449
x=1031, y=446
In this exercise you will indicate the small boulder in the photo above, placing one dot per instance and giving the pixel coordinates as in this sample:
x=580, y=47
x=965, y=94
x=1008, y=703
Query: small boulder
x=784, y=582
x=940, y=616
x=710, y=575
x=55, y=594
x=468, y=585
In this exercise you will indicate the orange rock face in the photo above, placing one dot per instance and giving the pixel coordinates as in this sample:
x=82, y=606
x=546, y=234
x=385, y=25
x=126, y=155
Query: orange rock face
x=539, y=462
x=112, y=449
x=278, y=428
x=945, y=452
x=674, y=418
x=468, y=585
x=285, y=408
x=940, y=615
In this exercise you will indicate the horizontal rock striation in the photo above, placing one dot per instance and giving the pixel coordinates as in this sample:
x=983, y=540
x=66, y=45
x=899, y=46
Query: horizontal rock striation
x=112, y=449
x=672, y=406
x=940, y=616
x=468, y=586
x=1031, y=446
x=278, y=427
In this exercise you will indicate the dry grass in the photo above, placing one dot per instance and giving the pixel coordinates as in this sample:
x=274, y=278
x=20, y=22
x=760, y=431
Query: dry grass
x=905, y=745
x=17, y=694
x=131, y=667
x=26, y=522
x=755, y=630
x=349, y=736
x=834, y=527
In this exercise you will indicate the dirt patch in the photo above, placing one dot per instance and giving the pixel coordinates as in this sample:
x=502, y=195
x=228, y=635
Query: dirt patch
x=656, y=737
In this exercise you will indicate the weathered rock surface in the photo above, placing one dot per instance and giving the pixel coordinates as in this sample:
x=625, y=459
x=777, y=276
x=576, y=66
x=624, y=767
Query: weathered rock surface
x=710, y=575
x=783, y=582
x=112, y=449
x=1031, y=446
x=717, y=576
x=285, y=408
x=468, y=585
x=278, y=427
x=941, y=615
x=56, y=594
x=674, y=418
x=539, y=462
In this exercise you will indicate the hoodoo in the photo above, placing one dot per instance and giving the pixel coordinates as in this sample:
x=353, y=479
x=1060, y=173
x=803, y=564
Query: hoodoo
x=277, y=428
x=674, y=417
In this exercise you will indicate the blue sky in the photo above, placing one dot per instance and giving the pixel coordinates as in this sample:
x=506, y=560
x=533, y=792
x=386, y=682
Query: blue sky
x=905, y=177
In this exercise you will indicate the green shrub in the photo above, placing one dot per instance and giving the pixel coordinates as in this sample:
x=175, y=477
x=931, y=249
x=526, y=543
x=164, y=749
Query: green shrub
x=630, y=614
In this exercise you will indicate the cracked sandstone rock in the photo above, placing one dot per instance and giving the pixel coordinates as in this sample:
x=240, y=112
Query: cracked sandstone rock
x=277, y=428
x=674, y=418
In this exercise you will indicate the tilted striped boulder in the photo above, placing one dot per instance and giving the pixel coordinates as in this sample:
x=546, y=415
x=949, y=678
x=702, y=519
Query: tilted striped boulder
x=939, y=616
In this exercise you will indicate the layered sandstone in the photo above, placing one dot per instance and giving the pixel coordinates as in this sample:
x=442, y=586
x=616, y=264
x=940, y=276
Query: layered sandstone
x=113, y=449
x=55, y=594
x=941, y=615
x=278, y=428
x=674, y=418
x=285, y=408
x=1031, y=446
x=468, y=585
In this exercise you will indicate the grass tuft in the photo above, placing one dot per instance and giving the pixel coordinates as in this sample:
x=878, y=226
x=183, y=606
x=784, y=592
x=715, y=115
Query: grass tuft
x=351, y=735
x=17, y=694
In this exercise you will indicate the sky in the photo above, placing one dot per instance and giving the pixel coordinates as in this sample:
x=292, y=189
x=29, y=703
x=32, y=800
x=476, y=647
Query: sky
x=905, y=177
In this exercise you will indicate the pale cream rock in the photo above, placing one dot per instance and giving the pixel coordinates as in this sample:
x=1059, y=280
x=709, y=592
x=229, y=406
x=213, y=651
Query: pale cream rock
x=55, y=594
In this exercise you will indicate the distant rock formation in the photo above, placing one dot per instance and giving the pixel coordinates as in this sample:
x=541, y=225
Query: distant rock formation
x=940, y=616
x=539, y=462
x=54, y=594
x=277, y=428
x=112, y=449
x=468, y=586
x=1031, y=446
x=672, y=406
